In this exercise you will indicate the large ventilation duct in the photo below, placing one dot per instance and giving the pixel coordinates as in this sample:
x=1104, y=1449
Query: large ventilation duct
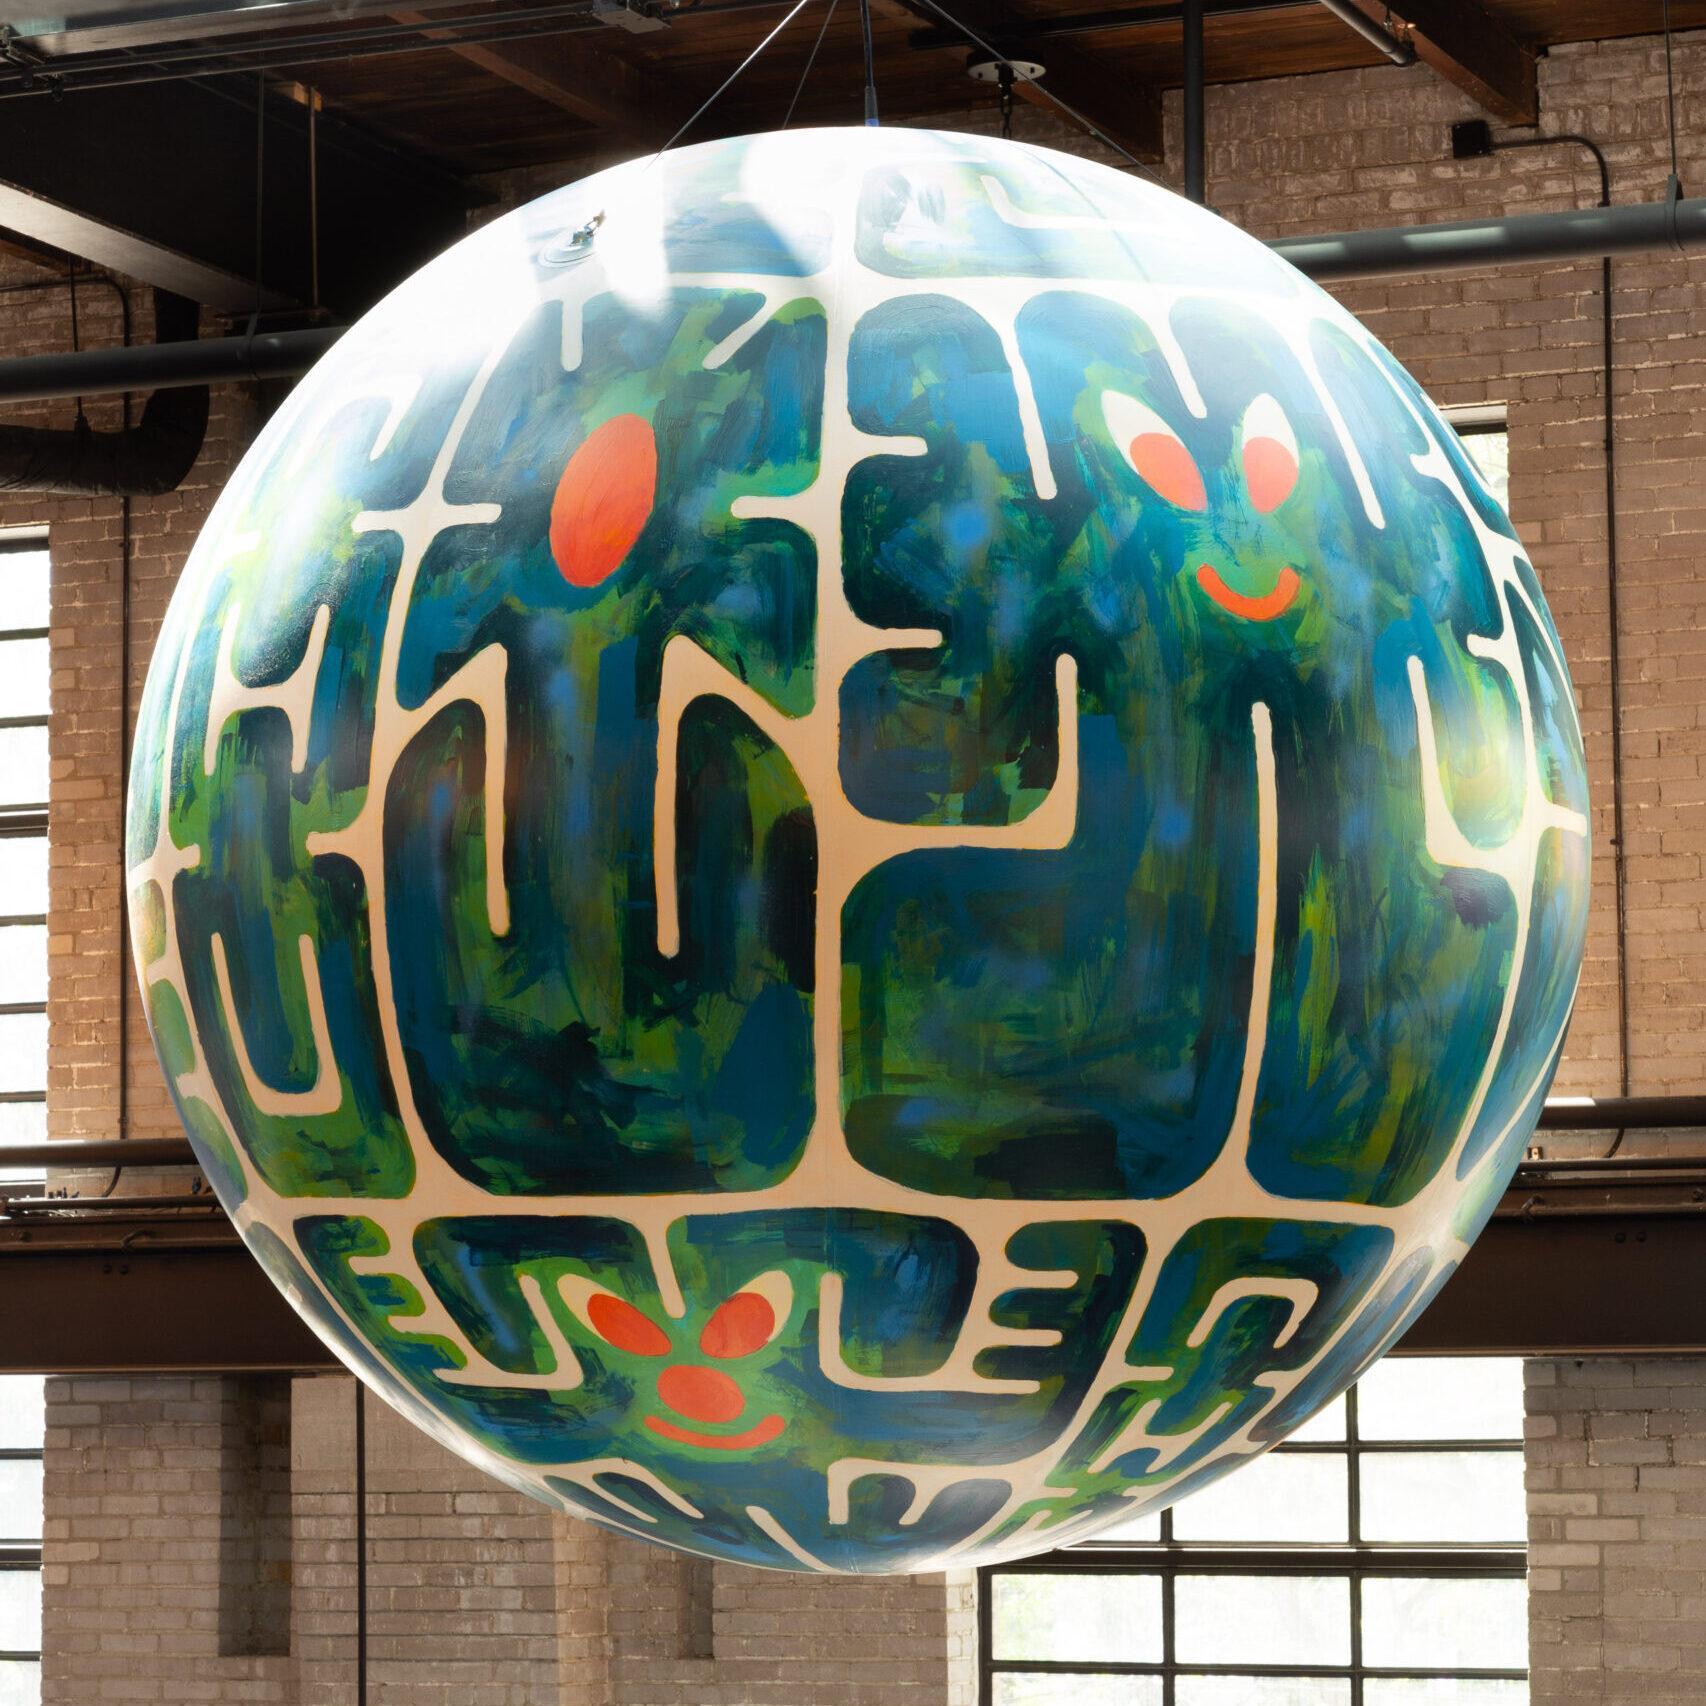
x=140, y=461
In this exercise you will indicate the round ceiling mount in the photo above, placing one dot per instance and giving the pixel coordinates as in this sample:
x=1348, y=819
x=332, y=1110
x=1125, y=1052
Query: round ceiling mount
x=986, y=68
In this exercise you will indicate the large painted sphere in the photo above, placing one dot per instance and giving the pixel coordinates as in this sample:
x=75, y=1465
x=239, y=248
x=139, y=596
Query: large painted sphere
x=858, y=851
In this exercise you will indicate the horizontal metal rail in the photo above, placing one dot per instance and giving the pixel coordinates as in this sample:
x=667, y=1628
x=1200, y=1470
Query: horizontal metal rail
x=1459, y=244
x=1589, y=232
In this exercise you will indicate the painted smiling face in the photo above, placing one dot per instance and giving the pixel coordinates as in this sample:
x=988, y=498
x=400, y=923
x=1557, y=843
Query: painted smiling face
x=1267, y=470
x=697, y=1386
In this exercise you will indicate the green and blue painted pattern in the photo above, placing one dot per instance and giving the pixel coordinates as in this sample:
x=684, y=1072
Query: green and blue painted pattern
x=1039, y=1180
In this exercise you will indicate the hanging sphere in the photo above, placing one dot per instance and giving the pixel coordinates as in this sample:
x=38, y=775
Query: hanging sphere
x=858, y=850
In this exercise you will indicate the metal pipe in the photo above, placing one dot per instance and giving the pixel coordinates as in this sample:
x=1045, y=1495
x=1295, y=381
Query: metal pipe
x=1195, y=172
x=153, y=367
x=1463, y=243
x=1631, y=1113
x=1399, y=51
x=1651, y=226
x=360, y=1543
x=101, y=1152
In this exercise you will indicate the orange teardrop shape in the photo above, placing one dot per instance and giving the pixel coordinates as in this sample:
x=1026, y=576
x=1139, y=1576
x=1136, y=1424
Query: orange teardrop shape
x=603, y=499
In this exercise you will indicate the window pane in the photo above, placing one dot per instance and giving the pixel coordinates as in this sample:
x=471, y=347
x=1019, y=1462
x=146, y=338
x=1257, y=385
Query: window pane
x=1442, y=1691
x=23, y=672
x=1040, y=1688
x=23, y=767
x=1081, y=1618
x=1299, y=1497
x=21, y=1122
x=20, y=1683
x=1441, y=1398
x=1414, y=1623
x=20, y=1611
x=1133, y=1528
x=1324, y=1424
x=1263, y=1620
x=24, y=574
x=20, y=1499
x=1491, y=453
x=23, y=1051
x=1263, y=1691
x=1451, y=1496
x=23, y=871
x=21, y=1412
x=23, y=962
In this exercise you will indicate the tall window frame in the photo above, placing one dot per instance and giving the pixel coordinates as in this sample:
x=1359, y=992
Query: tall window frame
x=24, y=712
x=1162, y=1563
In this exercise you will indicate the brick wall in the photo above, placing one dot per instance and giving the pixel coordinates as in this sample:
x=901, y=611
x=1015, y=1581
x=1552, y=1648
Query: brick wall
x=476, y=1595
x=542, y=1610
x=1616, y=1459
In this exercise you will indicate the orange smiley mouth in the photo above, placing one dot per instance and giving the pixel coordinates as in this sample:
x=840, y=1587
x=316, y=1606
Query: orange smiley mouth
x=1260, y=609
x=762, y=1434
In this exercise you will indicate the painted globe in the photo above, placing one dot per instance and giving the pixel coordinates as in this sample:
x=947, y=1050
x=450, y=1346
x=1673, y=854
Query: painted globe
x=858, y=850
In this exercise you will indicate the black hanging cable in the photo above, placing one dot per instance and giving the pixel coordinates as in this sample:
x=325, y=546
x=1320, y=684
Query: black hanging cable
x=76, y=340
x=717, y=93
x=260, y=184
x=1004, y=77
x=1042, y=88
x=1670, y=95
x=870, y=63
x=811, y=60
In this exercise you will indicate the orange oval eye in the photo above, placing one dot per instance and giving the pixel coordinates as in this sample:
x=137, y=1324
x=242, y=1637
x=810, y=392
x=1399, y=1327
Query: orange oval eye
x=622, y=1325
x=604, y=499
x=1166, y=464
x=1156, y=453
x=1270, y=472
x=1270, y=455
x=741, y=1326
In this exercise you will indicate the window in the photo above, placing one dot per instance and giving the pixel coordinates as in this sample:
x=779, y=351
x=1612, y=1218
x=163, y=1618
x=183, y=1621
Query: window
x=1482, y=428
x=1376, y=1558
x=23, y=843
x=23, y=1066
x=20, y=1539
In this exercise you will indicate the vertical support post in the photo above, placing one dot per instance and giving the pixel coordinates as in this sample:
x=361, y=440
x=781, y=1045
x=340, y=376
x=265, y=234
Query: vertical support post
x=360, y=1544
x=1195, y=177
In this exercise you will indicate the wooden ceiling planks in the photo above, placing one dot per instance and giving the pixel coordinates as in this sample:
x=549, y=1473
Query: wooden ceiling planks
x=595, y=90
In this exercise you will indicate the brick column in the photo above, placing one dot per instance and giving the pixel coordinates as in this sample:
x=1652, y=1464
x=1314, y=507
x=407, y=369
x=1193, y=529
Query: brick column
x=1616, y=1459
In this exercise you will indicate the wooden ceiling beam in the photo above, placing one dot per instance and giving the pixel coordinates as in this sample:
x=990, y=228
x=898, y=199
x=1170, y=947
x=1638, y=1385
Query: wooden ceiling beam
x=1472, y=50
x=1127, y=113
x=570, y=73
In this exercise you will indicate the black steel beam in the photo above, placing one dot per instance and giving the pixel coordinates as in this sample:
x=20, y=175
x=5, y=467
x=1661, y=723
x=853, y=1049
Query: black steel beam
x=1604, y=1263
x=1573, y=1285
x=103, y=174
x=119, y=1311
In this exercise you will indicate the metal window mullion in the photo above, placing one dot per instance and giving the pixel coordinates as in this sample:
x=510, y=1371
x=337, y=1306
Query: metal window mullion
x=23, y=634
x=1336, y=1673
x=22, y=920
x=30, y=722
